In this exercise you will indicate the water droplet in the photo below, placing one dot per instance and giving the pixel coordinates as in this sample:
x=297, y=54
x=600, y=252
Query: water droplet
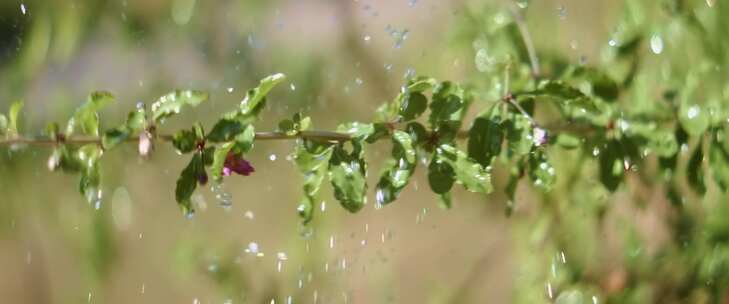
x=293, y=87
x=359, y=81
x=549, y=290
x=412, y=3
x=323, y=206
x=656, y=44
x=230, y=90
x=409, y=73
x=272, y=157
x=140, y=105
x=484, y=61
x=562, y=12
x=388, y=67
x=331, y=242
x=249, y=215
x=22, y=8
x=367, y=38
x=224, y=198
x=613, y=43
x=710, y=3
x=693, y=112
x=252, y=248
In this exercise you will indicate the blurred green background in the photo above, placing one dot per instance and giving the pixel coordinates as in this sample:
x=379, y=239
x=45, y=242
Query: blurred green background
x=342, y=59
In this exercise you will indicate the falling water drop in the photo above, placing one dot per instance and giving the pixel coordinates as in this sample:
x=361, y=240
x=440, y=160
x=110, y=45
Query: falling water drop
x=656, y=44
x=293, y=87
x=22, y=8
x=272, y=157
x=562, y=12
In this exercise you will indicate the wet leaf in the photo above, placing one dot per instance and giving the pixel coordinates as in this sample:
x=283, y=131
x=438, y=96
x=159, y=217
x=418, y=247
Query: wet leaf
x=471, y=175
x=225, y=130
x=413, y=105
x=173, y=102
x=440, y=175
x=485, y=137
x=219, y=156
x=86, y=117
x=347, y=174
x=311, y=158
x=187, y=183
x=398, y=169
x=695, y=170
x=541, y=171
x=256, y=98
x=694, y=119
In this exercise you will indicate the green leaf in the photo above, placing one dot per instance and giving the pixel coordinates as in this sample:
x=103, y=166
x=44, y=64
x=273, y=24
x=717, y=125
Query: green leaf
x=219, y=156
x=413, y=105
x=357, y=130
x=255, y=98
x=90, y=183
x=244, y=141
x=86, y=116
x=13, y=115
x=440, y=175
x=518, y=134
x=173, y=102
x=187, y=183
x=695, y=170
x=287, y=126
x=225, y=130
x=136, y=122
x=347, y=175
x=541, y=171
x=602, y=85
x=485, y=136
x=185, y=141
x=611, y=165
x=113, y=137
x=398, y=169
x=449, y=104
x=444, y=200
x=568, y=141
x=311, y=158
x=470, y=174
x=418, y=133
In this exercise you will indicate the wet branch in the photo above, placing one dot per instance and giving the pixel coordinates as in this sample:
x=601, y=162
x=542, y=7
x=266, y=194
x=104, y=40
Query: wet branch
x=327, y=136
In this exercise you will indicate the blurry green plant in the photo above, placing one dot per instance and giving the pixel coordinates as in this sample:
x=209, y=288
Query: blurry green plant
x=624, y=116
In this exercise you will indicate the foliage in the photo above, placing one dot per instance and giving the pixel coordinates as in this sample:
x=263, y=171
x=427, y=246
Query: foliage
x=615, y=118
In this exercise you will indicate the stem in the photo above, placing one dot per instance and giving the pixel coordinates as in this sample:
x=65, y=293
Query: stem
x=524, y=31
x=82, y=140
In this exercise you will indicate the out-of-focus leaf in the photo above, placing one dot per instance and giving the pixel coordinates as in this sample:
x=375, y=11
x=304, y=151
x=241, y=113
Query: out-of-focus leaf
x=90, y=183
x=485, y=137
x=3, y=124
x=173, y=102
x=568, y=141
x=86, y=116
x=256, y=97
x=719, y=158
x=694, y=119
x=611, y=165
x=13, y=115
x=695, y=170
x=347, y=175
x=398, y=169
x=541, y=171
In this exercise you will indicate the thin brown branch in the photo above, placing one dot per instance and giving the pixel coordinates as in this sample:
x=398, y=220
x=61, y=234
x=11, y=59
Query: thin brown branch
x=83, y=140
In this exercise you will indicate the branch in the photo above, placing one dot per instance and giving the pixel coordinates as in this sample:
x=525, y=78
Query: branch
x=524, y=31
x=82, y=140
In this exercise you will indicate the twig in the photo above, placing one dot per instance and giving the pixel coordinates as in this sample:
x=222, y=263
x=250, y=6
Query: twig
x=524, y=31
x=83, y=140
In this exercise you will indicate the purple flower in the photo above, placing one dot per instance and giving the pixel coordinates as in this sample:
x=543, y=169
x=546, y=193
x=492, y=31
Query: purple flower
x=236, y=163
